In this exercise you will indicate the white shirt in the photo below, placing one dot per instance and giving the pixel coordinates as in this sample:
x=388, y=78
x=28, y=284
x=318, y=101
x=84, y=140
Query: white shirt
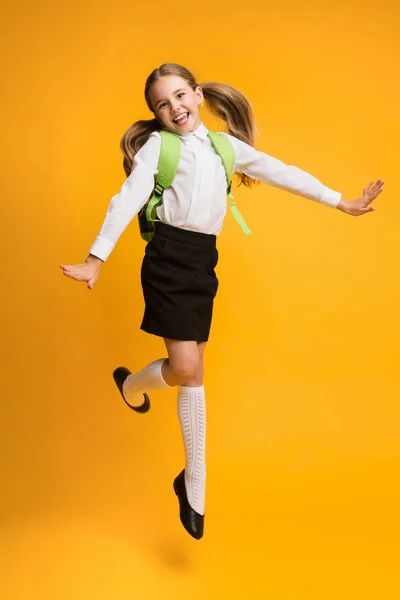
x=196, y=200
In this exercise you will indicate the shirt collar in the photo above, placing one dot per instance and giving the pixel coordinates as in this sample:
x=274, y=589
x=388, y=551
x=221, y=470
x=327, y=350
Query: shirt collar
x=200, y=132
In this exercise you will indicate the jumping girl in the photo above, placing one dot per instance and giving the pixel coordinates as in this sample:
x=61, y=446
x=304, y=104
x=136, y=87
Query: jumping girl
x=178, y=277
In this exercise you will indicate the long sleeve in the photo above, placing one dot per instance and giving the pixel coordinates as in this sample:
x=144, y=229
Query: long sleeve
x=272, y=171
x=133, y=195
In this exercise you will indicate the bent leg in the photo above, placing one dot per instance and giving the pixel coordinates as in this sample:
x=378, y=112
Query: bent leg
x=182, y=363
x=149, y=378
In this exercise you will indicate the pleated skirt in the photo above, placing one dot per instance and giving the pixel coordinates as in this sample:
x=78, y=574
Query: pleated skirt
x=179, y=283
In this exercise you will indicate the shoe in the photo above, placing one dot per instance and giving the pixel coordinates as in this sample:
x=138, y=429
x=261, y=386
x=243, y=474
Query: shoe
x=191, y=520
x=120, y=375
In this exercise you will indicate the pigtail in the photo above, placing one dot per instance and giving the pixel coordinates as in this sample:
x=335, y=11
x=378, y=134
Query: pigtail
x=134, y=138
x=230, y=105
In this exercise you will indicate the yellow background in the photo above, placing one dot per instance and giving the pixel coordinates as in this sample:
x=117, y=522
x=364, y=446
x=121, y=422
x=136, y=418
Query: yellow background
x=302, y=368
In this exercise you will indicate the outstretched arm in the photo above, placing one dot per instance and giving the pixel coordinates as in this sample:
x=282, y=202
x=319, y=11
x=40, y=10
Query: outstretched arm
x=272, y=171
x=122, y=208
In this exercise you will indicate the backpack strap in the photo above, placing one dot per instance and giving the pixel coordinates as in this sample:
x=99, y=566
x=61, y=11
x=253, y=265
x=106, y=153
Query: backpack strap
x=224, y=149
x=168, y=163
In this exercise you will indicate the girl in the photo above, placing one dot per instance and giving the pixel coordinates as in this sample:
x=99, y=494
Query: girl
x=178, y=277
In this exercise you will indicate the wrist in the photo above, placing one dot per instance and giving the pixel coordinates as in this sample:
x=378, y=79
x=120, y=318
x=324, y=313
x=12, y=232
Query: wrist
x=345, y=206
x=94, y=260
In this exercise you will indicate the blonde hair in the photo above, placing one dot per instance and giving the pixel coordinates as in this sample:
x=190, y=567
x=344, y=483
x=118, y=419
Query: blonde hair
x=224, y=101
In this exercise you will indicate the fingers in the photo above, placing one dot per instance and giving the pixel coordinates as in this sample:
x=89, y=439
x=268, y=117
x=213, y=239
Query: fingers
x=72, y=272
x=80, y=273
x=376, y=189
x=371, y=192
x=66, y=267
x=74, y=269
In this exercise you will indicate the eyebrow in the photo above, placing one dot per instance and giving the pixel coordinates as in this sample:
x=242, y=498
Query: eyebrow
x=175, y=92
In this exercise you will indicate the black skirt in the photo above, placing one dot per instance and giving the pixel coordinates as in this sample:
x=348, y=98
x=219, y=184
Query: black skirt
x=179, y=283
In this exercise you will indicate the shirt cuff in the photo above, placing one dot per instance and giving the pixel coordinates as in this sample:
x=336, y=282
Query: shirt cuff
x=101, y=248
x=330, y=197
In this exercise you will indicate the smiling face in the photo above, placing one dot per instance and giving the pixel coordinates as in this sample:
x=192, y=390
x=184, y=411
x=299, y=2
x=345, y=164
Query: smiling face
x=175, y=104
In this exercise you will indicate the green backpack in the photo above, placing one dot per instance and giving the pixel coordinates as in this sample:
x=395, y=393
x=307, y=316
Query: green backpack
x=167, y=168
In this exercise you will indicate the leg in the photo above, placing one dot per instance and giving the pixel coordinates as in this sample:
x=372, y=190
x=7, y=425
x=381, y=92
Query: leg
x=197, y=380
x=133, y=386
x=183, y=361
x=192, y=418
x=181, y=365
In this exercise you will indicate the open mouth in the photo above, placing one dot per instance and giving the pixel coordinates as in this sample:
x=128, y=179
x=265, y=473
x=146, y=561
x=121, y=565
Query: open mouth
x=182, y=119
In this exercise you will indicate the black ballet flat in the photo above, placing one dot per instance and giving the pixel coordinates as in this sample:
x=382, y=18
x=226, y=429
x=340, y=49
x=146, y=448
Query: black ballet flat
x=191, y=520
x=120, y=375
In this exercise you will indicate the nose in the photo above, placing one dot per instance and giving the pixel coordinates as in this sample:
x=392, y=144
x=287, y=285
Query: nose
x=175, y=105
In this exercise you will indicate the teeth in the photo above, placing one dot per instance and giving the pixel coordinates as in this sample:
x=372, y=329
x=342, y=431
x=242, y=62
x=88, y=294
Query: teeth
x=180, y=117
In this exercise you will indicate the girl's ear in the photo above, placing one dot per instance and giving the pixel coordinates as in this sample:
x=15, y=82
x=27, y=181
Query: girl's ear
x=199, y=93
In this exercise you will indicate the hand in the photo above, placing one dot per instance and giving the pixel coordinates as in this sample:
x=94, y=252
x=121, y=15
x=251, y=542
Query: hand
x=362, y=204
x=88, y=271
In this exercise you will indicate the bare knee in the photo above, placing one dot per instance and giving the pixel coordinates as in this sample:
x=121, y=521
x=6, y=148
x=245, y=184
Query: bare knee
x=185, y=369
x=197, y=379
x=185, y=363
x=181, y=370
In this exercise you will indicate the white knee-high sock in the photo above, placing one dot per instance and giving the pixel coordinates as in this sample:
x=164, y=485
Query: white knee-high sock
x=192, y=417
x=149, y=378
